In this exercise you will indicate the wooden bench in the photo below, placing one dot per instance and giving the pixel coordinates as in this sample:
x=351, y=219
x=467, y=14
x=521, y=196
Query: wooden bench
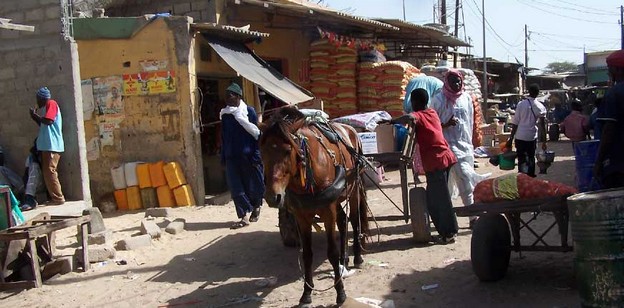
x=42, y=226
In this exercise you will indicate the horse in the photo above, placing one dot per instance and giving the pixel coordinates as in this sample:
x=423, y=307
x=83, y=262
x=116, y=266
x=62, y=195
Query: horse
x=311, y=168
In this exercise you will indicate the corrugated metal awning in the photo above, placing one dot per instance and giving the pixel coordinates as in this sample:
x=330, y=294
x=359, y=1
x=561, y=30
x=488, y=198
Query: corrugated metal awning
x=229, y=32
x=420, y=35
x=249, y=65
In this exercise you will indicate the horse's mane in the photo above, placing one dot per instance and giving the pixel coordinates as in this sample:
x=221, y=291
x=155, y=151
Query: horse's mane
x=282, y=122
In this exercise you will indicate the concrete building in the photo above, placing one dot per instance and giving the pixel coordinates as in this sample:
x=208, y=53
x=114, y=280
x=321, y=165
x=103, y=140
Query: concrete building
x=596, y=68
x=29, y=60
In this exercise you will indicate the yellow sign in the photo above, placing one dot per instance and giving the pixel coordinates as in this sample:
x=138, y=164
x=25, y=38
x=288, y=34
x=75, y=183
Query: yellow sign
x=149, y=83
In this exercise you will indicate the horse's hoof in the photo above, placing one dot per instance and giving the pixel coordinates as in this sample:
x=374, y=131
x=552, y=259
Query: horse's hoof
x=358, y=263
x=306, y=299
x=341, y=298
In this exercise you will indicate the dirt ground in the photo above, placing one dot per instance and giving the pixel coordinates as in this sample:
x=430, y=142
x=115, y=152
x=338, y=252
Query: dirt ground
x=210, y=265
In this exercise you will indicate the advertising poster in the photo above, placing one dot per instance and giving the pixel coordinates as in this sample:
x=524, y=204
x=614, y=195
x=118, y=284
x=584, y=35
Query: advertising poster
x=107, y=94
x=149, y=83
x=153, y=65
x=87, y=98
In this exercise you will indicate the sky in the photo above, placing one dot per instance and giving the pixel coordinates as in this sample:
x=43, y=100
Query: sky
x=559, y=30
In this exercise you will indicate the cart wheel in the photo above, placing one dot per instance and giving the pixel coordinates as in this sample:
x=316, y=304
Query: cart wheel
x=288, y=228
x=418, y=215
x=490, y=247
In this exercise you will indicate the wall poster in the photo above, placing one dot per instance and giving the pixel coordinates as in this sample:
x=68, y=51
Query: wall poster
x=87, y=99
x=149, y=83
x=107, y=94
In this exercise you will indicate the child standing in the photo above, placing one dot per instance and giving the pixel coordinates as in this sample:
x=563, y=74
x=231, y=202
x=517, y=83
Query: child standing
x=437, y=159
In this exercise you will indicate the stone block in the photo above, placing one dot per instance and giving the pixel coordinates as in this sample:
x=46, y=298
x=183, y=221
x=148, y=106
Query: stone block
x=196, y=15
x=34, y=14
x=151, y=228
x=53, y=12
x=51, y=26
x=209, y=15
x=7, y=73
x=98, y=253
x=62, y=265
x=158, y=212
x=135, y=242
x=181, y=8
x=176, y=226
x=100, y=238
x=200, y=5
x=97, y=222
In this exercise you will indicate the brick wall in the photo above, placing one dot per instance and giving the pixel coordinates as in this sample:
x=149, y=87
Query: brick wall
x=29, y=60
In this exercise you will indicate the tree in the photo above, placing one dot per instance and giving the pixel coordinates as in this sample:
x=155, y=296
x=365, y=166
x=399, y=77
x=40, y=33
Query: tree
x=560, y=67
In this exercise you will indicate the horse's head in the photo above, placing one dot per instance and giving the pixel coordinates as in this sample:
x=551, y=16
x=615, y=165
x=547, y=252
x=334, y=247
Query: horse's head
x=279, y=153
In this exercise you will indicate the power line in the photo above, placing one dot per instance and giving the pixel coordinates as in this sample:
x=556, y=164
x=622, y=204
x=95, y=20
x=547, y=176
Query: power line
x=573, y=9
x=577, y=37
x=582, y=6
x=566, y=16
x=491, y=30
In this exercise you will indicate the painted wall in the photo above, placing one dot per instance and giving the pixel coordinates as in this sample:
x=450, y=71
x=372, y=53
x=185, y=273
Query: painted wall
x=152, y=127
x=29, y=60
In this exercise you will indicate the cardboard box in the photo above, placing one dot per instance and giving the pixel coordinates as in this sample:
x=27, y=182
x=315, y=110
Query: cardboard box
x=386, y=138
x=383, y=140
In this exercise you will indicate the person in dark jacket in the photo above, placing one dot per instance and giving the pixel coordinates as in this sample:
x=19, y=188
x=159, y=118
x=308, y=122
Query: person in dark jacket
x=241, y=156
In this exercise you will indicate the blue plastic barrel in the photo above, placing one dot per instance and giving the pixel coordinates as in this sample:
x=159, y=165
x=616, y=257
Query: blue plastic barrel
x=585, y=154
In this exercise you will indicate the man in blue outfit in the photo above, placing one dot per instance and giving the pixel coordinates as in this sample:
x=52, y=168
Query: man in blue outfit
x=241, y=156
x=609, y=166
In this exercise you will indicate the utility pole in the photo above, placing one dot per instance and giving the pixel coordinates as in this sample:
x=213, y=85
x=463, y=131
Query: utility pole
x=485, y=84
x=443, y=12
x=443, y=22
x=622, y=24
x=404, y=19
x=456, y=32
x=526, y=57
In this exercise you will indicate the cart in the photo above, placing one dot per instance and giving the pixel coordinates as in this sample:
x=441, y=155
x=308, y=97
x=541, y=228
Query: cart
x=413, y=200
x=499, y=222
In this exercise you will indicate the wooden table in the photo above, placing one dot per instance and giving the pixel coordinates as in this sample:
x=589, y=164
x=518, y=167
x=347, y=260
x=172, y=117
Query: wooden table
x=43, y=226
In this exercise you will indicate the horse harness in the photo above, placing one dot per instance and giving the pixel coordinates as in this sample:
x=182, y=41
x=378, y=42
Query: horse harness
x=312, y=198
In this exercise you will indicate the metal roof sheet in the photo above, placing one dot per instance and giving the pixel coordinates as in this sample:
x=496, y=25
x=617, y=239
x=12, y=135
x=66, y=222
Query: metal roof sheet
x=425, y=34
x=230, y=32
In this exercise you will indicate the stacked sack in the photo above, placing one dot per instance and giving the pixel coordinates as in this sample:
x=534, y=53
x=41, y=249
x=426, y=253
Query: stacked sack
x=518, y=186
x=332, y=75
x=146, y=185
x=381, y=86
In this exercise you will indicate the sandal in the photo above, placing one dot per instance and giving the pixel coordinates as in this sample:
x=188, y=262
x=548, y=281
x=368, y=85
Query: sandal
x=239, y=224
x=255, y=215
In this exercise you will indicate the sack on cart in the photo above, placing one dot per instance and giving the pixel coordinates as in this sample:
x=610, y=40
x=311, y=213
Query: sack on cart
x=518, y=186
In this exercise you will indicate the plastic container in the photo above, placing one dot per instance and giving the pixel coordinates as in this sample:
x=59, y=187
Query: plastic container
x=149, y=197
x=165, y=196
x=157, y=176
x=174, y=175
x=507, y=161
x=121, y=199
x=119, y=177
x=184, y=195
x=131, y=174
x=585, y=155
x=134, y=198
x=143, y=175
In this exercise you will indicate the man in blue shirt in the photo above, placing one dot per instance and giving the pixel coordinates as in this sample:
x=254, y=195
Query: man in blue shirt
x=47, y=115
x=241, y=156
x=609, y=166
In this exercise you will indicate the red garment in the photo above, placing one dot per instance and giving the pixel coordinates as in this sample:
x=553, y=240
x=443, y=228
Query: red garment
x=575, y=126
x=434, y=150
x=616, y=59
x=51, y=110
